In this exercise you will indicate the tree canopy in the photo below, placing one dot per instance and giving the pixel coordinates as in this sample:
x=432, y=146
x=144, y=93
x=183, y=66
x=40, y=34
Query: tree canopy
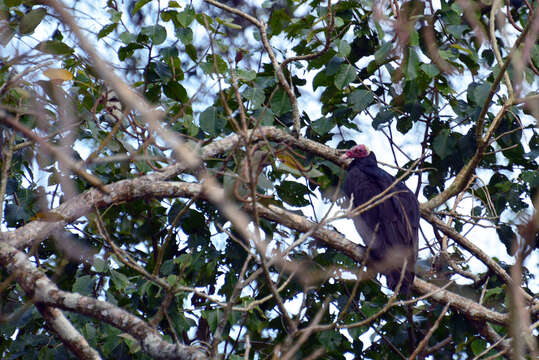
x=170, y=175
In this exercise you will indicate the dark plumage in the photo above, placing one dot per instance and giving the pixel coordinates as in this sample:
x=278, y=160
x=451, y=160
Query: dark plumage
x=390, y=228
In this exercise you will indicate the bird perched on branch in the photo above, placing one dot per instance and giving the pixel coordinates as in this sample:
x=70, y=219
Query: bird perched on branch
x=389, y=226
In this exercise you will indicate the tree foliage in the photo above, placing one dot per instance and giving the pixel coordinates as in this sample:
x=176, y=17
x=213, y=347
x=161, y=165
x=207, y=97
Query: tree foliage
x=166, y=169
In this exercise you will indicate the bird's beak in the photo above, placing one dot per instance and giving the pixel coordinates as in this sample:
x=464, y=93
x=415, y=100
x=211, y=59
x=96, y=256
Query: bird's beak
x=368, y=150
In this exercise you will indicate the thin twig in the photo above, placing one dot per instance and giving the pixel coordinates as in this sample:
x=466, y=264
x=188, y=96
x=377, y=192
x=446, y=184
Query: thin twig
x=431, y=331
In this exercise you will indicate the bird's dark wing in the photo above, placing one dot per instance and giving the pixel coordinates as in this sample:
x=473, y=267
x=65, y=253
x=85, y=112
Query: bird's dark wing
x=390, y=228
x=376, y=224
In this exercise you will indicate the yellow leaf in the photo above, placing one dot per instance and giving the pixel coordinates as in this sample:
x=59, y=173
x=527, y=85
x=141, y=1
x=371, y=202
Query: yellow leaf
x=58, y=74
x=48, y=216
x=289, y=160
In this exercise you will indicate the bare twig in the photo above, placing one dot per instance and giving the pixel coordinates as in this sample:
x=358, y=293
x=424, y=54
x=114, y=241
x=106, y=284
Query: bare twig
x=61, y=155
x=261, y=25
x=426, y=338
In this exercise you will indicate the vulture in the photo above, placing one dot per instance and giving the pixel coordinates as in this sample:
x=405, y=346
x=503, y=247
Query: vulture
x=388, y=229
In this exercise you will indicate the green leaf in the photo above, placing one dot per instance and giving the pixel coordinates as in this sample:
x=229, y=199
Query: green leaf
x=191, y=51
x=330, y=339
x=228, y=24
x=189, y=125
x=535, y=54
x=84, y=285
x=360, y=99
x=478, y=346
x=186, y=17
x=127, y=51
x=175, y=91
x=138, y=5
x=31, y=20
x=381, y=54
x=280, y=103
x=430, y=69
x=54, y=47
x=11, y=3
x=126, y=37
x=278, y=21
x=345, y=75
x=210, y=122
x=531, y=177
x=213, y=317
x=478, y=94
x=505, y=233
x=100, y=265
x=255, y=95
x=168, y=52
x=293, y=193
x=115, y=16
x=107, y=29
x=444, y=144
x=185, y=35
x=153, y=93
x=456, y=30
x=172, y=279
x=192, y=222
x=209, y=66
x=313, y=173
x=320, y=79
x=323, y=125
x=494, y=291
x=343, y=48
x=264, y=116
x=412, y=65
x=246, y=75
x=162, y=70
x=157, y=33
x=120, y=281
x=382, y=118
x=404, y=124
x=168, y=15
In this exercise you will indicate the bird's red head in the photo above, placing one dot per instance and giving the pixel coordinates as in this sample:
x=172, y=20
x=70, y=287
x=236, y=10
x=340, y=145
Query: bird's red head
x=358, y=151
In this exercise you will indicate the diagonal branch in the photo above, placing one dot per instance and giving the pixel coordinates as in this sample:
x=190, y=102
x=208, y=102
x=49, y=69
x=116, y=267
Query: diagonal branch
x=62, y=156
x=43, y=291
x=262, y=26
x=475, y=250
x=127, y=190
x=426, y=338
x=70, y=336
x=461, y=179
x=130, y=98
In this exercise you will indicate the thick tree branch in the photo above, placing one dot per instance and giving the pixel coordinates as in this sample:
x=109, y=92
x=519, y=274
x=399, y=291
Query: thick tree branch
x=43, y=291
x=83, y=204
x=150, y=186
x=475, y=250
x=70, y=336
